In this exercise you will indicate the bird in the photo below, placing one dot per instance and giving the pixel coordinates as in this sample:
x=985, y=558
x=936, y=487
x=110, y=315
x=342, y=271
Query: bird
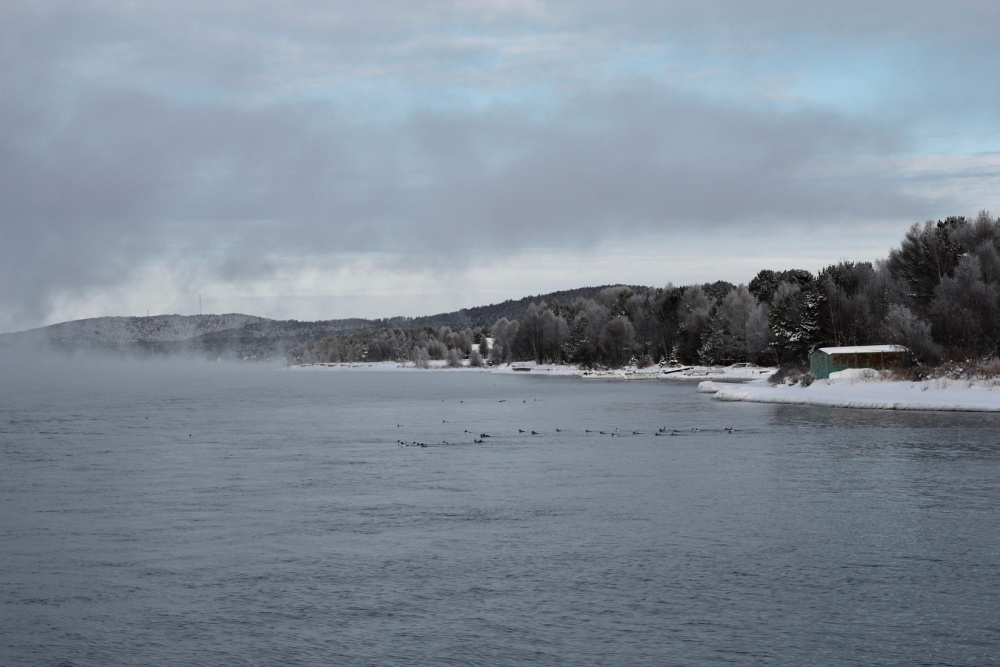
x=484, y=435
x=534, y=433
x=520, y=430
x=477, y=441
x=558, y=430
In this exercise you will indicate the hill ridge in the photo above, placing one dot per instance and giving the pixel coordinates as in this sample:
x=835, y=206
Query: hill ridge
x=237, y=335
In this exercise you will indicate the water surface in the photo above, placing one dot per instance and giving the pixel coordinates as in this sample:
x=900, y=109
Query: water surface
x=209, y=514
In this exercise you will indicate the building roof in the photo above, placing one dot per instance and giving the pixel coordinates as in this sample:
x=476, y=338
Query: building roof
x=862, y=349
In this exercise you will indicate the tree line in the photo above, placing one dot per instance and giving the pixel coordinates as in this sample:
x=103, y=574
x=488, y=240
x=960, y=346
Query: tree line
x=938, y=294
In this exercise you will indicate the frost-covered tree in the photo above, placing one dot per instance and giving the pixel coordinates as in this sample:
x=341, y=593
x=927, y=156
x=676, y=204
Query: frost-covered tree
x=420, y=357
x=793, y=320
x=668, y=313
x=758, y=332
x=615, y=341
x=577, y=348
x=965, y=310
x=928, y=254
x=845, y=316
x=642, y=314
x=503, y=333
x=543, y=332
x=693, y=313
x=712, y=350
x=903, y=327
x=718, y=290
x=730, y=320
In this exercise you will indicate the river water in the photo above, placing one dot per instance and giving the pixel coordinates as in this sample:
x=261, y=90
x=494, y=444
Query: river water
x=194, y=514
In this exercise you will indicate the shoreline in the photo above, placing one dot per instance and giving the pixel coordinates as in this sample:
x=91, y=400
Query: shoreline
x=849, y=389
x=726, y=374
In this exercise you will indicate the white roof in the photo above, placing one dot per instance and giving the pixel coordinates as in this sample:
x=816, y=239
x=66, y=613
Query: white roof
x=863, y=349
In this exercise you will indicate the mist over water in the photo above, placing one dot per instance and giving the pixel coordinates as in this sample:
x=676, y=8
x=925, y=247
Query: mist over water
x=205, y=514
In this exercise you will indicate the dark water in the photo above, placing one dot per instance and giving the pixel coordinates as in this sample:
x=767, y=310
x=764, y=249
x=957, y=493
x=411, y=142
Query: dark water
x=210, y=515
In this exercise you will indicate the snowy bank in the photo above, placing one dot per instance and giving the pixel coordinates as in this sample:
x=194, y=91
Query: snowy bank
x=439, y=365
x=690, y=373
x=854, y=389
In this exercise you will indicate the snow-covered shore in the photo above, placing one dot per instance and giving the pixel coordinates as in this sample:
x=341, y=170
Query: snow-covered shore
x=679, y=373
x=437, y=365
x=853, y=389
x=847, y=389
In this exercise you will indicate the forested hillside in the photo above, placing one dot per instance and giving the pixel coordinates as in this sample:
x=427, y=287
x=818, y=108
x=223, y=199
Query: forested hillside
x=236, y=336
x=938, y=294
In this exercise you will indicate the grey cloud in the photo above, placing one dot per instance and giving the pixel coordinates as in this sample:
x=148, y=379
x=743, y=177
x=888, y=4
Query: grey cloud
x=237, y=132
x=134, y=177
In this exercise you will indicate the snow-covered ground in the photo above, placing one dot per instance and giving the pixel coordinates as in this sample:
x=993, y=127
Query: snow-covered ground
x=694, y=373
x=865, y=389
x=439, y=365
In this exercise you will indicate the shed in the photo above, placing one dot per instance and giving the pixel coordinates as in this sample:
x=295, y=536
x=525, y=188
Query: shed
x=826, y=360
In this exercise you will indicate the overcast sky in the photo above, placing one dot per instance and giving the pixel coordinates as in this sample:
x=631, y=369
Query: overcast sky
x=318, y=160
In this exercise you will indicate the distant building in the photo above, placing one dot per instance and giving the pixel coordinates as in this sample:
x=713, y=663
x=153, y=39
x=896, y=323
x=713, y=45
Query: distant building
x=826, y=360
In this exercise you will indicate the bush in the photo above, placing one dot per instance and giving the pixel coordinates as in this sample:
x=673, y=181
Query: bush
x=914, y=373
x=807, y=379
x=986, y=370
x=790, y=374
x=475, y=359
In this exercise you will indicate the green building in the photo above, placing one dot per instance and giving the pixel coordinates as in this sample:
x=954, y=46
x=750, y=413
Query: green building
x=826, y=360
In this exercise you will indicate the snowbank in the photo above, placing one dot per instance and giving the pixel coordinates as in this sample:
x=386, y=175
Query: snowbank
x=864, y=389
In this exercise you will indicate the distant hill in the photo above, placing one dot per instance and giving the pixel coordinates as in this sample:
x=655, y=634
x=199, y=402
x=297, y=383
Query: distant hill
x=236, y=336
x=486, y=316
x=232, y=336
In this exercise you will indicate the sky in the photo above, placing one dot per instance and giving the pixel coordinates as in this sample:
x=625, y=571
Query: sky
x=322, y=160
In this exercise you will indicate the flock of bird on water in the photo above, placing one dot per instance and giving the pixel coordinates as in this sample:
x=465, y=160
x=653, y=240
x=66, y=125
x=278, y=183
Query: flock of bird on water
x=662, y=431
